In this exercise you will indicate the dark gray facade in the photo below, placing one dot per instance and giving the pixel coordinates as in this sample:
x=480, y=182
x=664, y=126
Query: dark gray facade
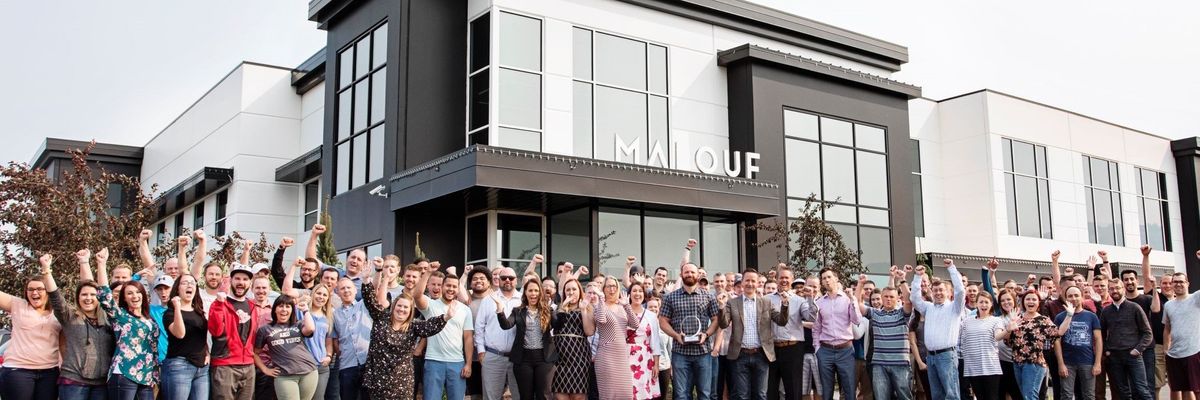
x=1187, y=166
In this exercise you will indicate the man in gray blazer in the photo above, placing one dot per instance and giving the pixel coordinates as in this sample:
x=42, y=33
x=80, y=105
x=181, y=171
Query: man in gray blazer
x=751, y=340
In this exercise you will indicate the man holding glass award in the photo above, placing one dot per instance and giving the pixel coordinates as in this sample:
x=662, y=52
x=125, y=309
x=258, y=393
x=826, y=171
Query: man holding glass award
x=689, y=316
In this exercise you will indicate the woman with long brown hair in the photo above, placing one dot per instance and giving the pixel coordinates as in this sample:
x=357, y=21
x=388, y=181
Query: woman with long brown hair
x=572, y=324
x=135, y=363
x=533, y=350
x=88, y=338
x=388, y=373
x=185, y=370
x=1029, y=336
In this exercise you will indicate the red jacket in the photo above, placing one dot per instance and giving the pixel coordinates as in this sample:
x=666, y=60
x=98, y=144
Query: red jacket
x=227, y=347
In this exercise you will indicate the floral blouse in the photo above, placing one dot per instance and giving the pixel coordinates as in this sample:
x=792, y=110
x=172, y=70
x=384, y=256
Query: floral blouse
x=388, y=372
x=136, y=357
x=1030, y=338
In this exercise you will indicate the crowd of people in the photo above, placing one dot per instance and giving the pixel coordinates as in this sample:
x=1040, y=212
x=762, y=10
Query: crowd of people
x=381, y=329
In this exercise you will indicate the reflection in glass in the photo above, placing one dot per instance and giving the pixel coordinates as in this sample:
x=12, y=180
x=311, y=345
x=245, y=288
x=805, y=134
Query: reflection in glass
x=569, y=237
x=620, y=236
x=1027, y=207
x=520, y=42
x=346, y=65
x=876, y=246
x=480, y=45
x=667, y=228
x=838, y=173
x=520, y=99
x=361, y=94
x=358, y=175
x=362, y=61
x=344, y=107
x=518, y=237
x=620, y=61
x=803, y=168
x=375, y=171
x=619, y=114
x=720, y=246
x=872, y=179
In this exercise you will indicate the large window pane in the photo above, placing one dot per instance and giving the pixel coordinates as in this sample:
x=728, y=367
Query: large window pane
x=720, y=247
x=477, y=238
x=361, y=94
x=837, y=173
x=870, y=138
x=376, y=163
x=1010, y=188
x=837, y=131
x=358, y=175
x=803, y=163
x=581, y=115
x=620, y=236
x=378, y=95
x=873, y=216
x=663, y=229
x=801, y=125
x=343, y=167
x=480, y=43
x=346, y=68
x=849, y=235
x=569, y=237
x=1099, y=172
x=1044, y=207
x=620, y=115
x=582, y=54
x=656, y=68
x=362, y=61
x=1006, y=148
x=379, y=48
x=620, y=61
x=520, y=42
x=520, y=99
x=478, y=97
x=520, y=139
x=658, y=129
x=518, y=237
x=872, y=179
x=841, y=213
x=344, y=108
x=1027, y=207
x=1153, y=231
x=1103, y=211
x=1022, y=154
x=918, y=207
x=876, y=246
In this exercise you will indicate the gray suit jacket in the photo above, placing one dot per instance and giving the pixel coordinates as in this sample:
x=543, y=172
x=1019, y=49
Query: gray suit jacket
x=731, y=315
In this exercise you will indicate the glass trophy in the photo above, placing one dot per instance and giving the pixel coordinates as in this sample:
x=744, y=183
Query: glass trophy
x=694, y=338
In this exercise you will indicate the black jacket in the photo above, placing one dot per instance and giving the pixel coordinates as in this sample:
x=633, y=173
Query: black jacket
x=517, y=320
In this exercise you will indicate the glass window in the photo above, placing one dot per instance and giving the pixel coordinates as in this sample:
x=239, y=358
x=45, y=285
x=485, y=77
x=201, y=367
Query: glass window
x=870, y=138
x=876, y=247
x=362, y=109
x=582, y=54
x=343, y=167
x=1103, y=202
x=1152, y=205
x=480, y=45
x=918, y=196
x=837, y=131
x=520, y=139
x=312, y=204
x=378, y=92
x=581, y=119
x=803, y=162
x=520, y=41
x=361, y=94
x=872, y=173
x=179, y=224
x=840, y=213
x=620, y=115
x=358, y=171
x=620, y=61
x=837, y=174
x=720, y=244
x=570, y=234
x=198, y=216
x=873, y=216
x=656, y=68
x=666, y=228
x=344, y=107
x=379, y=47
x=478, y=93
x=658, y=128
x=1027, y=189
x=114, y=196
x=620, y=236
x=375, y=169
x=520, y=99
x=477, y=237
x=346, y=72
x=801, y=125
x=362, y=59
x=518, y=238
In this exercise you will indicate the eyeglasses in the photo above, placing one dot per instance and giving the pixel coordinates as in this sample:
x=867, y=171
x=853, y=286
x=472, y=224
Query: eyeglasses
x=34, y=290
x=508, y=278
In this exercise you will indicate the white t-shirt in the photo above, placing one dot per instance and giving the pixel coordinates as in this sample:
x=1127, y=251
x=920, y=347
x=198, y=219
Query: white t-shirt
x=1184, y=318
x=447, y=345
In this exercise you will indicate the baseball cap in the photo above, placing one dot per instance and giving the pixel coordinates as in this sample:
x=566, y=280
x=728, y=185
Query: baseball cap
x=243, y=268
x=163, y=280
x=259, y=267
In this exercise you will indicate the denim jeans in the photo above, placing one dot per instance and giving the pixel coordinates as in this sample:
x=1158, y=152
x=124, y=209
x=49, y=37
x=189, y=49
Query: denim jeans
x=1148, y=359
x=892, y=381
x=35, y=384
x=841, y=362
x=692, y=372
x=83, y=392
x=943, y=375
x=1129, y=375
x=1087, y=383
x=444, y=377
x=332, y=390
x=717, y=387
x=749, y=378
x=183, y=381
x=1029, y=376
x=350, y=380
x=126, y=389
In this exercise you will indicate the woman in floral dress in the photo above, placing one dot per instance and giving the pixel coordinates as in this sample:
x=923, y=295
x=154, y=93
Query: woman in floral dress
x=613, y=375
x=388, y=373
x=573, y=323
x=644, y=346
x=1029, y=336
x=135, y=363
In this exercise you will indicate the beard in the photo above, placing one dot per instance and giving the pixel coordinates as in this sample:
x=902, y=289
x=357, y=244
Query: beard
x=689, y=281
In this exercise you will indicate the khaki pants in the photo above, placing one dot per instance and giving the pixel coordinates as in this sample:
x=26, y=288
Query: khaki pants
x=1160, y=368
x=232, y=382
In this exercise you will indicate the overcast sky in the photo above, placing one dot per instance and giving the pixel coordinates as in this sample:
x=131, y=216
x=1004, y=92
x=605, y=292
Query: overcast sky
x=119, y=71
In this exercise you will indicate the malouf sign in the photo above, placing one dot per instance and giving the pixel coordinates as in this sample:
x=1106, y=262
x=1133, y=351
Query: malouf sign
x=735, y=164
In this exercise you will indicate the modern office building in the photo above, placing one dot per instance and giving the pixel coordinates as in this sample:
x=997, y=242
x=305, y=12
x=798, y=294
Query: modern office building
x=594, y=130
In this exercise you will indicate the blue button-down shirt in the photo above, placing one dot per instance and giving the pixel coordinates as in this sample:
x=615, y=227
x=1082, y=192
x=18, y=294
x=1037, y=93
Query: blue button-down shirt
x=352, y=330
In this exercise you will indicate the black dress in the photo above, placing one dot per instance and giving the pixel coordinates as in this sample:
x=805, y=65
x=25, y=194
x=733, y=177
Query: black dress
x=574, y=354
x=388, y=373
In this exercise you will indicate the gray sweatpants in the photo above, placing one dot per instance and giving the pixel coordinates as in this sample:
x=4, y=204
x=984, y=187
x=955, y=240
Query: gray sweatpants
x=498, y=373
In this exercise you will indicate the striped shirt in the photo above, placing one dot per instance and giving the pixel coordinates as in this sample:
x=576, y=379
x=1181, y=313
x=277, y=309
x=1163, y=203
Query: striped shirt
x=978, y=346
x=889, y=334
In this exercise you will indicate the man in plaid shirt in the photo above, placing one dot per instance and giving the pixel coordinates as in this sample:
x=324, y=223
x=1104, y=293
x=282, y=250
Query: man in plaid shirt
x=685, y=311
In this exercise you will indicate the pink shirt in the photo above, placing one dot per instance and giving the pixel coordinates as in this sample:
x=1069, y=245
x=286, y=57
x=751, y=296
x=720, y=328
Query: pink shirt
x=834, y=317
x=34, y=338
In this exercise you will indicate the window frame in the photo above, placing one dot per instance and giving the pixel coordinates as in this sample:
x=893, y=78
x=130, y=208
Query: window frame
x=304, y=206
x=1163, y=203
x=355, y=132
x=1114, y=194
x=494, y=119
x=1045, y=223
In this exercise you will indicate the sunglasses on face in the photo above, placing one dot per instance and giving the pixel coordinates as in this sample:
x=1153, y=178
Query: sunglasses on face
x=508, y=278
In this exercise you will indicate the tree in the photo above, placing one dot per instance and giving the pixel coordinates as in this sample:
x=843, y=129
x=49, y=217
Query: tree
x=223, y=250
x=43, y=215
x=326, y=252
x=811, y=243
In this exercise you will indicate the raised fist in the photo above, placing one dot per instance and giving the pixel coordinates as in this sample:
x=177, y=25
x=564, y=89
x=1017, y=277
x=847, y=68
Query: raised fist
x=175, y=301
x=183, y=241
x=248, y=243
x=452, y=270
x=538, y=259
x=1031, y=278
x=691, y=244
x=722, y=298
x=318, y=229
x=908, y=268
x=83, y=255
x=377, y=262
x=299, y=261
x=145, y=235
x=892, y=269
x=199, y=234
x=102, y=255
x=993, y=264
x=436, y=265
x=630, y=260
x=1145, y=249
x=1069, y=271
x=921, y=270
x=1103, y=255
x=947, y=262
x=222, y=296
x=862, y=278
x=46, y=260
x=1054, y=255
x=583, y=270
x=286, y=242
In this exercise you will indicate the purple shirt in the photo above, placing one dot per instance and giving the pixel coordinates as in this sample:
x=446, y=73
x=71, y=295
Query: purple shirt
x=834, y=316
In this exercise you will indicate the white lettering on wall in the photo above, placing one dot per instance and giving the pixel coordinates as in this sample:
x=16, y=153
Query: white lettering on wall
x=733, y=163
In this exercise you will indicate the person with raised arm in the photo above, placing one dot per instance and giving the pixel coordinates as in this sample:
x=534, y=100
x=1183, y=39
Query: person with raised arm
x=352, y=335
x=317, y=304
x=689, y=316
x=533, y=353
x=943, y=323
x=134, y=370
x=1130, y=281
x=87, y=337
x=1028, y=338
x=185, y=370
x=1079, y=351
x=1181, y=322
x=613, y=317
x=645, y=351
x=388, y=373
x=573, y=322
x=890, y=363
x=293, y=371
x=150, y=274
x=449, y=354
x=233, y=322
x=750, y=321
x=833, y=335
x=789, y=338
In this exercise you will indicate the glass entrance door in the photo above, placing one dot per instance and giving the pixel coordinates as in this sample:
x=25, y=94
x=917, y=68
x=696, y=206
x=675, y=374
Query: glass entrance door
x=507, y=238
